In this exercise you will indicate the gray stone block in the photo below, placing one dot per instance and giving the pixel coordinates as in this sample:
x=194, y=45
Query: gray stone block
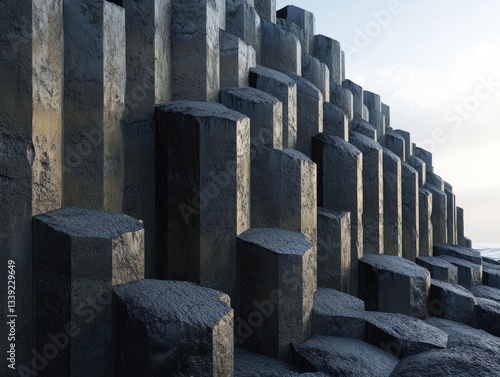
x=452, y=301
x=372, y=101
x=467, y=242
x=340, y=188
x=94, y=94
x=79, y=255
x=344, y=357
x=148, y=61
x=460, y=227
x=425, y=230
x=249, y=364
x=243, y=21
x=419, y=165
x=192, y=191
x=196, y=50
x=484, y=291
x=334, y=249
x=284, y=89
x=439, y=214
x=296, y=30
x=335, y=121
x=304, y=20
x=393, y=216
x=342, y=98
x=408, y=144
x=395, y=143
x=425, y=156
x=338, y=314
x=378, y=122
x=465, y=253
x=187, y=330
x=276, y=301
x=451, y=215
x=392, y=284
x=439, y=268
x=373, y=193
x=410, y=210
x=317, y=73
x=386, y=110
x=488, y=316
x=357, y=94
x=236, y=59
x=31, y=152
x=364, y=128
x=491, y=276
x=309, y=113
x=366, y=114
x=266, y=9
x=401, y=335
x=469, y=274
x=435, y=180
x=329, y=52
x=280, y=49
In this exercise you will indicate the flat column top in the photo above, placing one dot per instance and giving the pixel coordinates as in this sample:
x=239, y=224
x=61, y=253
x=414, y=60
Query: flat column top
x=395, y=264
x=200, y=109
x=277, y=240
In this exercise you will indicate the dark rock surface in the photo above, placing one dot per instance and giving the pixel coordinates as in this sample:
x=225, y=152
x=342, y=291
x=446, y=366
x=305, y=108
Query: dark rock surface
x=458, y=252
x=469, y=274
x=452, y=301
x=488, y=316
x=484, y=291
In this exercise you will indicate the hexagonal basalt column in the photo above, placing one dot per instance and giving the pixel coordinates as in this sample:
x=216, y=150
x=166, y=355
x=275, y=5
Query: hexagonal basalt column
x=425, y=156
x=393, y=217
x=411, y=222
x=173, y=328
x=460, y=227
x=357, y=93
x=277, y=273
x=425, y=229
x=317, y=73
x=342, y=98
x=335, y=122
x=203, y=170
x=364, y=128
x=303, y=19
x=80, y=254
x=236, y=59
x=328, y=51
x=451, y=220
x=439, y=214
x=408, y=144
x=266, y=9
x=280, y=49
x=395, y=143
x=386, y=110
x=243, y=21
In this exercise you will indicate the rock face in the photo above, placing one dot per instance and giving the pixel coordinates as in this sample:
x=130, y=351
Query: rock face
x=464, y=253
x=488, y=316
x=483, y=291
x=439, y=268
x=469, y=274
x=248, y=364
x=452, y=301
x=173, y=328
x=345, y=357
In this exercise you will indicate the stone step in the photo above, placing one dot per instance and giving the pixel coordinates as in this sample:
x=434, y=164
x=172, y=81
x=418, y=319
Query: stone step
x=486, y=292
x=469, y=274
x=488, y=316
x=453, y=302
x=280, y=49
x=439, y=268
x=465, y=253
x=364, y=128
x=491, y=276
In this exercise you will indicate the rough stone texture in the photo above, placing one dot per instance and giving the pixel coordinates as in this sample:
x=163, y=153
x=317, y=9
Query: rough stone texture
x=266, y=9
x=329, y=51
x=340, y=188
x=373, y=193
x=401, y=335
x=386, y=110
x=469, y=274
x=451, y=215
x=345, y=357
x=280, y=49
x=148, y=83
x=465, y=253
x=334, y=249
x=377, y=120
x=439, y=268
x=79, y=255
x=203, y=168
x=456, y=362
x=408, y=144
x=357, y=94
x=391, y=284
x=491, y=276
x=309, y=113
x=317, y=73
x=196, y=50
x=425, y=156
x=338, y=314
x=173, y=328
x=395, y=143
x=296, y=30
x=484, y=291
x=364, y=128
x=439, y=214
x=248, y=364
x=372, y=101
x=451, y=301
x=425, y=230
x=335, y=122
x=94, y=94
x=460, y=227
x=393, y=217
x=236, y=59
x=285, y=90
x=243, y=21
x=31, y=79
x=276, y=301
x=420, y=166
x=343, y=99
x=488, y=316
x=467, y=242
x=435, y=180
x=303, y=19
x=410, y=210
x=366, y=114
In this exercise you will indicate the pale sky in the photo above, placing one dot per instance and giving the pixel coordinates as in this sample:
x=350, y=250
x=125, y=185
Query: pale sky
x=437, y=64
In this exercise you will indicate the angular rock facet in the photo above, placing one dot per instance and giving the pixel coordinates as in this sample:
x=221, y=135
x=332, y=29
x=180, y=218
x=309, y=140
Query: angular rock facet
x=453, y=302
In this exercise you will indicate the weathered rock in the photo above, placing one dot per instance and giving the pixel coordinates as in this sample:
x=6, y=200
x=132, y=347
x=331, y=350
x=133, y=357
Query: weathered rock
x=297, y=31
x=203, y=168
x=342, y=98
x=275, y=301
x=243, y=21
x=401, y=335
x=345, y=357
x=457, y=362
x=458, y=252
x=338, y=314
x=410, y=212
x=408, y=144
x=460, y=227
x=395, y=143
x=488, y=316
x=377, y=120
x=236, y=59
x=173, y=328
x=334, y=249
x=328, y=51
x=425, y=156
x=357, y=94
x=484, y=291
x=451, y=301
x=335, y=121
x=366, y=114
x=386, y=110
x=280, y=50
x=439, y=268
x=372, y=101
x=425, y=229
x=284, y=89
x=469, y=274
x=452, y=214
x=317, y=73
x=419, y=165
x=393, y=216
x=248, y=364
x=364, y=128
x=491, y=276
x=439, y=213
x=309, y=113
x=79, y=255
x=435, y=180
x=392, y=284
x=266, y=9
x=303, y=19
x=467, y=242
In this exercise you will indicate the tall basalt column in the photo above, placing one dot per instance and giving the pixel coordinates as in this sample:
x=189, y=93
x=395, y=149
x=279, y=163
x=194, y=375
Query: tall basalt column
x=386, y=110
x=280, y=49
x=373, y=193
x=148, y=83
x=460, y=227
x=284, y=89
x=303, y=19
x=328, y=51
x=357, y=94
x=236, y=59
x=377, y=120
x=31, y=61
x=195, y=49
x=425, y=227
x=425, y=156
x=203, y=170
x=335, y=122
x=395, y=143
x=340, y=188
x=372, y=101
x=411, y=221
x=94, y=94
x=243, y=21
x=317, y=73
x=421, y=167
x=266, y=9
x=393, y=217
x=451, y=214
x=408, y=144
x=342, y=98
x=439, y=214
x=309, y=113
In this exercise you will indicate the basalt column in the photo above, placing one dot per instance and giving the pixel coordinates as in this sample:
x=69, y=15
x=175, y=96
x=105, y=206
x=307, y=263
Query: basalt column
x=393, y=231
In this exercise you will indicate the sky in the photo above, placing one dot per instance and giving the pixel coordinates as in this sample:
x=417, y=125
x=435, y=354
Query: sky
x=436, y=63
